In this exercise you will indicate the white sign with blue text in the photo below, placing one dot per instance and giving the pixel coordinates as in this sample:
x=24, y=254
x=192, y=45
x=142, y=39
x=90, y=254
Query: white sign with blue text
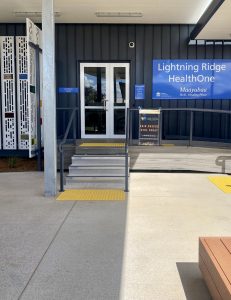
x=191, y=79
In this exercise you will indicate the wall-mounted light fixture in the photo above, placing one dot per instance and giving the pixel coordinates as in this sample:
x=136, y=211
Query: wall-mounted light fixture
x=118, y=14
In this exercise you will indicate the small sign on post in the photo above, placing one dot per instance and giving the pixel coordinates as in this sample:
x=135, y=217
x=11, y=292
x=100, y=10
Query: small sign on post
x=149, y=127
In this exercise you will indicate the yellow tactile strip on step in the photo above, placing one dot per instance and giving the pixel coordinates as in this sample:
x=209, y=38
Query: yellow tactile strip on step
x=102, y=145
x=92, y=195
x=222, y=182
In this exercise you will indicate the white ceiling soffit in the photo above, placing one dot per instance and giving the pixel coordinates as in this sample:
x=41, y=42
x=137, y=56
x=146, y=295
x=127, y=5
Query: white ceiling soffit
x=219, y=26
x=84, y=11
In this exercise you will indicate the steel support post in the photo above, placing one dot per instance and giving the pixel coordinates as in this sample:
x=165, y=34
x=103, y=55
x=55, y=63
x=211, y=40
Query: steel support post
x=49, y=98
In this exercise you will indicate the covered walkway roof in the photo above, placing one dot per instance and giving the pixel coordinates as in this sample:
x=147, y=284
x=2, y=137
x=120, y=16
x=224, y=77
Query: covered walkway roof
x=215, y=24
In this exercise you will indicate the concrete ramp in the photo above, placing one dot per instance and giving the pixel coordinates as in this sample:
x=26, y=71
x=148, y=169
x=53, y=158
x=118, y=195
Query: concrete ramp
x=180, y=158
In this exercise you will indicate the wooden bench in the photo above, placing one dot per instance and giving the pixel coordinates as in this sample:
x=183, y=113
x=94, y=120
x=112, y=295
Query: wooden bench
x=215, y=265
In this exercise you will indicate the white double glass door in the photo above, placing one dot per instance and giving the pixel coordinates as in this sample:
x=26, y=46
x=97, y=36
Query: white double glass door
x=104, y=94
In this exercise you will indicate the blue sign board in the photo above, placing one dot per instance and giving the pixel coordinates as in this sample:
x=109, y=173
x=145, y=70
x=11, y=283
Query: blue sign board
x=64, y=90
x=191, y=79
x=139, y=92
x=23, y=76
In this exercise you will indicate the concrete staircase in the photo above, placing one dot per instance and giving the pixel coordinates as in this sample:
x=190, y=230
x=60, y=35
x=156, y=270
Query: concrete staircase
x=96, y=171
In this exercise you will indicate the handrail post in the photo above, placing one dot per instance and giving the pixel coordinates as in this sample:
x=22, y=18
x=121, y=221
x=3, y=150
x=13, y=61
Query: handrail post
x=74, y=128
x=160, y=127
x=61, y=150
x=61, y=168
x=126, y=150
x=126, y=172
x=191, y=128
x=130, y=116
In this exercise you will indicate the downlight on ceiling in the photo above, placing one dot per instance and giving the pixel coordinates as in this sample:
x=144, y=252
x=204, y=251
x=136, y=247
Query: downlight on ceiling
x=118, y=14
x=35, y=14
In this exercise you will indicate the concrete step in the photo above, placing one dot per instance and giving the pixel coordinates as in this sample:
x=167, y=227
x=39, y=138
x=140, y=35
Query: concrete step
x=99, y=151
x=98, y=160
x=94, y=182
x=96, y=171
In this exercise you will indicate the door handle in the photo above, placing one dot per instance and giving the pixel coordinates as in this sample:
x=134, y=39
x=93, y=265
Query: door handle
x=104, y=104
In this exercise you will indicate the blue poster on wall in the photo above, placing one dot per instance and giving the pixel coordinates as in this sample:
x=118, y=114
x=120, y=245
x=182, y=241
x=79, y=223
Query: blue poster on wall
x=191, y=79
x=139, y=92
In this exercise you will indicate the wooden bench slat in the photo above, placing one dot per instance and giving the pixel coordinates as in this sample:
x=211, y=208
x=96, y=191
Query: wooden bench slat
x=207, y=257
x=227, y=242
x=209, y=280
x=222, y=256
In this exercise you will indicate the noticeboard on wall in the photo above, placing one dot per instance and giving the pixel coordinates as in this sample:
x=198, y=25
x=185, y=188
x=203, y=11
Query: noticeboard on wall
x=191, y=79
x=149, y=127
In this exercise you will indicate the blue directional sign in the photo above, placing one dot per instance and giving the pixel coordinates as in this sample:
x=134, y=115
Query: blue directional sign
x=191, y=79
x=64, y=90
x=139, y=92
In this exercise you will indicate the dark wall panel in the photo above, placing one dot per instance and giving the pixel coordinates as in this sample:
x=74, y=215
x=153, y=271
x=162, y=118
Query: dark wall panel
x=174, y=54
x=104, y=42
x=110, y=42
x=148, y=50
x=114, y=43
x=183, y=54
x=123, y=43
x=132, y=59
x=156, y=53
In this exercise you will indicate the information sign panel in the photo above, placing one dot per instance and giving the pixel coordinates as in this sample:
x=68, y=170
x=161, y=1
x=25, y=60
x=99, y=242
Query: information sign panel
x=149, y=127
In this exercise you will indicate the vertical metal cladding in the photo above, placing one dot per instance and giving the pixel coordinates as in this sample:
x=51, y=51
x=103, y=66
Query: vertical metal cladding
x=8, y=93
x=109, y=42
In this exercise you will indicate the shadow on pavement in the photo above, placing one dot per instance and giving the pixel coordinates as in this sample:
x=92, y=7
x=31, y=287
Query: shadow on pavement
x=192, y=281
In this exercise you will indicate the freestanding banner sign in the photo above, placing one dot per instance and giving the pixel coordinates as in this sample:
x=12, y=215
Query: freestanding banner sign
x=191, y=79
x=149, y=127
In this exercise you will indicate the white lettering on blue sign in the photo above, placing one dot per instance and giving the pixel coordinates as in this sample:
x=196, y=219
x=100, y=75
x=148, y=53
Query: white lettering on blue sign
x=191, y=79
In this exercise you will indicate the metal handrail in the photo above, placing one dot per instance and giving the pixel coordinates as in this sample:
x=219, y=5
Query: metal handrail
x=191, y=120
x=187, y=109
x=60, y=147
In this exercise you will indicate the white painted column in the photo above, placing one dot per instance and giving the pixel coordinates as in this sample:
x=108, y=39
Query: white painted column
x=49, y=98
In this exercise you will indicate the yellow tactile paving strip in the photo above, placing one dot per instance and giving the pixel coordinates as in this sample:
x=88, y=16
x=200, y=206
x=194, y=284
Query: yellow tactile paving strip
x=102, y=145
x=222, y=182
x=92, y=195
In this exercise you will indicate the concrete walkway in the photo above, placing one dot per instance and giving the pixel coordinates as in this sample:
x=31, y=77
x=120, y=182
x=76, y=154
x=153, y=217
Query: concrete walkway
x=145, y=248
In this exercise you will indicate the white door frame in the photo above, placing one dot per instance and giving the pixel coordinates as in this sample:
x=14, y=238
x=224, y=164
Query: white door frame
x=109, y=105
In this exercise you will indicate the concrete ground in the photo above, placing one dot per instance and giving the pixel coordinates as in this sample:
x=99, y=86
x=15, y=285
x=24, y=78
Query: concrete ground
x=145, y=248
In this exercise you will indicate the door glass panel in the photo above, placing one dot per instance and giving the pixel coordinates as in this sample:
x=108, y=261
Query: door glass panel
x=95, y=121
x=95, y=86
x=119, y=86
x=119, y=121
